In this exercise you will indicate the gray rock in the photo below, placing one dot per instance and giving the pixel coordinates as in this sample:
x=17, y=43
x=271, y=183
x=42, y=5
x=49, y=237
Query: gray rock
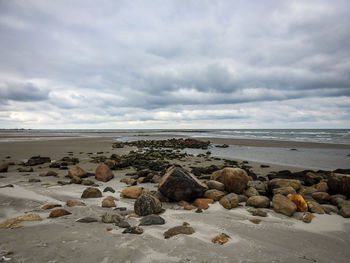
x=109, y=189
x=133, y=230
x=87, y=220
x=147, y=204
x=152, y=220
x=112, y=218
x=123, y=224
x=258, y=201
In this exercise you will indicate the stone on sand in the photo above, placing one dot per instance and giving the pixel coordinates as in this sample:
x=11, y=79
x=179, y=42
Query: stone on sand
x=91, y=192
x=258, y=201
x=220, y=239
x=203, y=203
x=184, y=229
x=110, y=217
x=59, y=212
x=25, y=169
x=235, y=180
x=4, y=167
x=214, y=194
x=133, y=230
x=178, y=184
x=307, y=217
x=229, y=201
x=50, y=206
x=132, y=192
x=72, y=203
x=103, y=173
x=35, y=160
x=152, y=220
x=76, y=171
x=257, y=212
x=109, y=189
x=147, y=204
x=14, y=222
x=282, y=204
x=87, y=220
x=48, y=173
x=108, y=202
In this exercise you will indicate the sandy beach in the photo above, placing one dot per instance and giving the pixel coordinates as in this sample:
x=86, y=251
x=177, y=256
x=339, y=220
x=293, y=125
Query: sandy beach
x=277, y=238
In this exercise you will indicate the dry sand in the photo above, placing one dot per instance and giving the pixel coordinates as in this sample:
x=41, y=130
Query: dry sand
x=276, y=239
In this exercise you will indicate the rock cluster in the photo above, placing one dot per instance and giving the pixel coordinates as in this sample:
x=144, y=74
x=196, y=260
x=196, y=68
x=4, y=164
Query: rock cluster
x=171, y=143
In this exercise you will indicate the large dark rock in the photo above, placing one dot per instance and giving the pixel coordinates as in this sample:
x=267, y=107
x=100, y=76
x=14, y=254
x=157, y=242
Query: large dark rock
x=152, y=220
x=35, y=160
x=235, y=180
x=91, y=192
x=103, y=173
x=147, y=204
x=178, y=184
x=339, y=183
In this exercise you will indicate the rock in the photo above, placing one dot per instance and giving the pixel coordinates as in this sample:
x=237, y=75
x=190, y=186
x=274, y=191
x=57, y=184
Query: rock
x=50, y=206
x=184, y=229
x=88, y=182
x=278, y=183
x=284, y=191
x=110, y=217
x=109, y=189
x=315, y=207
x=307, y=217
x=71, y=203
x=251, y=191
x=91, y=192
x=76, y=180
x=152, y=220
x=282, y=204
x=103, y=173
x=321, y=187
x=229, y=201
x=34, y=180
x=330, y=209
x=260, y=186
x=4, y=167
x=132, y=192
x=258, y=201
x=242, y=198
x=178, y=184
x=321, y=197
x=147, y=204
x=339, y=184
x=235, y=180
x=299, y=201
x=76, y=171
x=336, y=199
x=217, y=176
x=123, y=224
x=215, y=185
x=25, y=169
x=344, y=210
x=133, y=230
x=109, y=202
x=87, y=220
x=203, y=203
x=49, y=173
x=35, y=160
x=257, y=212
x=255, y=220
x=14, y=222
x=312, y=178
x=189, y=207
x=7, y=185
x=58, y=213
x=214, y=194
x=220, y=239
x=307, y=191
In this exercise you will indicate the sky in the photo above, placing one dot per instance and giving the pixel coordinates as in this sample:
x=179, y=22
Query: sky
x=178, y=64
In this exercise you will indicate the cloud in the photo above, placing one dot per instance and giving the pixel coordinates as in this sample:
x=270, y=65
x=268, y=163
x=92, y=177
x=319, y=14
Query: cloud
x=143, y=64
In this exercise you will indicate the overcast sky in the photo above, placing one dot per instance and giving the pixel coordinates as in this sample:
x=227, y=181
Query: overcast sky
x=174, y=64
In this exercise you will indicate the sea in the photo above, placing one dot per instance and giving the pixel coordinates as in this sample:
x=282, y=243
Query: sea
x=309, y=158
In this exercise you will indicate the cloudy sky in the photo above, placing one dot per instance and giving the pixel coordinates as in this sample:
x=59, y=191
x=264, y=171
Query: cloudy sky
x=174, y=64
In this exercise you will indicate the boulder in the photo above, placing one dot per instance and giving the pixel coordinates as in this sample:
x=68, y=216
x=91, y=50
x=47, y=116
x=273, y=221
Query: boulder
x=321, y=197
x=132, y=192
x=203, y=203
x=344, y=209
x=321, y=187
x=284, y=190
x=312, y=178
x=91, y=192
x=339, y=184
x=178, y=184
x=282, y=204
x=251, y=191
x=215, y=185
x=260, y=186
x=278, y=183
x=299, y=201
x=315, y=207
x=59, y=212
x=71, y=203
x=184, y=229
x=258, y=201
x=109, y=202
x=103, y=173
x=76, y=171
x=14, y=222
x=4, y=167
x=229, y=201
x=336, y=199
x=217, y=176
x=152, y=220
x=214, y=194
x=235, y=180
x=147, y=204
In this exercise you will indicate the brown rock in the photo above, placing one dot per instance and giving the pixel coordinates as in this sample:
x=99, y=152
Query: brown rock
x=278, y=183
x=299, y=201
x=315, y=207
x=91, y=192
x=4, y=167
x=336, y=199
x=284, y=191
x=109, y=202
x=71, y=203
x=14, y=222
x=184, y=229
x=258, y=212
x=255, y=220
x=103, y=173
x=217, y=176
x=321, y=197
x=214, y=194
x=321, y=187
x=76, y=171
x=344, y=210
x=215, y=185
x=283, y=205
x=235, y=180
x=189, y=207
x=132, y=192
x=229, y=201
x=307, y=191
x=339, y=184
x=182, y=203
x=58, y=213
x=307, y=217
x=220, y=239
x=203, y=203
x=50, y=206
x=178, y=184
x=258, y=201
x=251, y=191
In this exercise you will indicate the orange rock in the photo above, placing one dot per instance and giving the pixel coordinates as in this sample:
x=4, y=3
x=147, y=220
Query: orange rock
x=203, y=203
x=109, y=229
x=299, y=201
x=76, y=171
x=134, y=215
x=220, y=239
x=307, y=217
x=182, y=203
x=132, y=192
x=109, y=202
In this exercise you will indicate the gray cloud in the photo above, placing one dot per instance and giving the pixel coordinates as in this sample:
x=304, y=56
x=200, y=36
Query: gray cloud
x=148, y=63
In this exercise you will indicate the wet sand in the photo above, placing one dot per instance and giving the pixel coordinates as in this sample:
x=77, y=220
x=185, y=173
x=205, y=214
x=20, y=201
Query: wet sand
x=276, y=239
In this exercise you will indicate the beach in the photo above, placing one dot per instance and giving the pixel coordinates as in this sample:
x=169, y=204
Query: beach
x=277, y=238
